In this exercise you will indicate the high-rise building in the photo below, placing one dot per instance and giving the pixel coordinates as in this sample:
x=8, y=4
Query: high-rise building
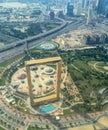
x=101, y=6
x=78, y=8
x=52, y=15
x=91, y=13
x=97, y=1
x=107, y=14
x=60, y=14
x=48, y=8
x=86, y=3
x=70, y=10
x=83, y=2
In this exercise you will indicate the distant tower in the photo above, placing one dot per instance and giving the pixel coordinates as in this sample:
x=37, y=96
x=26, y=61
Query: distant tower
x=61, y=14
x=79, y=8
x=83, y=3
x=97, y=1
x=52, y=15
x=86, y=3
x=48, y=8
x=70, y=10
x=101, y=6
x=107, y=14
x=91, y=13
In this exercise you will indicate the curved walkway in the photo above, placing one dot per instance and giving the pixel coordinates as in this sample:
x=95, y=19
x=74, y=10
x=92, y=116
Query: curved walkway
x=76, y=68
x=95, y=67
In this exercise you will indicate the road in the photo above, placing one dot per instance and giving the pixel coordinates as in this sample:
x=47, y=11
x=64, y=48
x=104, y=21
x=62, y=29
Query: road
x=14, y=51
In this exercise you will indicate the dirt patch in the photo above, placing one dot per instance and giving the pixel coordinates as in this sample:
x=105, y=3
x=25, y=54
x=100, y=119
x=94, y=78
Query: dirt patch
x=105, y=67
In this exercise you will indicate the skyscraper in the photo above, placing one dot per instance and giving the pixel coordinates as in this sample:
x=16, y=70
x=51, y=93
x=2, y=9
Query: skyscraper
x=101, y=6
x=83, y=2
x=97, y=1
x=70, y=9
x=86, y=3
x=52, y=15
x=91, y=13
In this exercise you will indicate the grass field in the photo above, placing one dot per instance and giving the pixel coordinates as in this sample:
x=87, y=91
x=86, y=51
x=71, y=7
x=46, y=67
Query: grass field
x=35, y=128
x=2, y=128
x=4, y=65
x=99, y=66
x=49, y=26
x=68, y=112
x=20, y=105
x=86, y=77
x=23, y=29
x=88, y=80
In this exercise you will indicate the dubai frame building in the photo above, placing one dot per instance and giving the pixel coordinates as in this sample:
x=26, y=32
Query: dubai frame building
x=46, y=99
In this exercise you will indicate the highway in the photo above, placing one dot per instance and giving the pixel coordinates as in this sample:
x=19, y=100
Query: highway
x=16, y=50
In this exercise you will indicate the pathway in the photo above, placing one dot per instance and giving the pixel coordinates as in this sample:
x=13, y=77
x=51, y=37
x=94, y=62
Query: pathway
x=76, y=68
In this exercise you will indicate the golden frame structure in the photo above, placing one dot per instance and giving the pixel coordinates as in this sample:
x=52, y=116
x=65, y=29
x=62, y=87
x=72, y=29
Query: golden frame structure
x=45, y=99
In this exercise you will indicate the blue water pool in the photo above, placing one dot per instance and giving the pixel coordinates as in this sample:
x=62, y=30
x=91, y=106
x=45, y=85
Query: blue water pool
x=47, y=108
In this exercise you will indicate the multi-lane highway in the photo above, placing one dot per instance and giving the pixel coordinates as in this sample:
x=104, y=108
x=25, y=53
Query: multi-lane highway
x=16, y=50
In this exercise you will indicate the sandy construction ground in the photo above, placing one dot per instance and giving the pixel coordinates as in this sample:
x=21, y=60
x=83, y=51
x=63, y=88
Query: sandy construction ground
x=87, y=127
x=102, y=123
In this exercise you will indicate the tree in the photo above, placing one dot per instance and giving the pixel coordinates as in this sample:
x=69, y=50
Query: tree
x=47, y=126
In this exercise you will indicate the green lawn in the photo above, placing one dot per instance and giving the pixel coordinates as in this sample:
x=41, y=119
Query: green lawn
x=49, y=26
x=20, y=105
x=67, y=112
x=87, y=77
x=1, y=69
x=35, y=128
x=5, y=64
x=88, y=80
x=100, y=65
x=2, y=128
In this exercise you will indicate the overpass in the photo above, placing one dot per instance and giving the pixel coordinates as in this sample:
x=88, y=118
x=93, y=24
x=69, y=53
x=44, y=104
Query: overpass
x=33, y=38
x=18, y=47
